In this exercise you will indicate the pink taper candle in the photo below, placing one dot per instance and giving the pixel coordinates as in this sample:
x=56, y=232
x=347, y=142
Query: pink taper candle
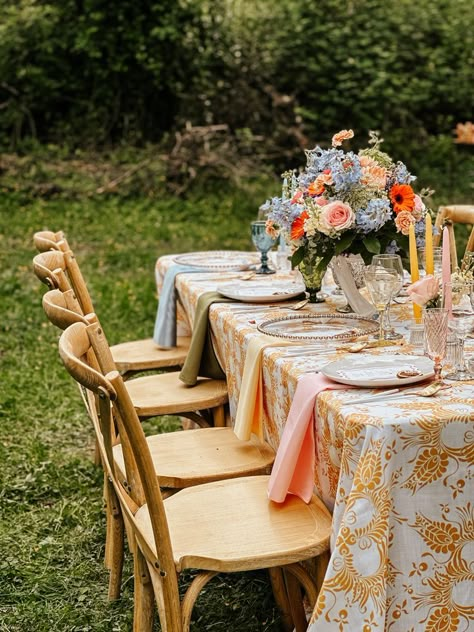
x=446, y=265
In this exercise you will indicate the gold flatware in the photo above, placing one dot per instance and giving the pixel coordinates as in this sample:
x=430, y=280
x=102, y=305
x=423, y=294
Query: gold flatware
x=366, y=344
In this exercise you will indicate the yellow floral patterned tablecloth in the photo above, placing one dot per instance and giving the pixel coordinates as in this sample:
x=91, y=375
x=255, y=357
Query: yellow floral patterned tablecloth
x=397, y=473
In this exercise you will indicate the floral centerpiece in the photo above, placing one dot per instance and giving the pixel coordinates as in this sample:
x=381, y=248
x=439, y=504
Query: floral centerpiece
x=343, y=202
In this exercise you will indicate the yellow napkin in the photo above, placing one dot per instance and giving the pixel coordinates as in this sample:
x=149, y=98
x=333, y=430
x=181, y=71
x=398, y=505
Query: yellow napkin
x=249, y=415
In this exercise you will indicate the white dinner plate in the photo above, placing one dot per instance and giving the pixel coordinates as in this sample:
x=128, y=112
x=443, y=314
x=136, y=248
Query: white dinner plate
x=378, y=371
x=217, y=260
x=264, y=291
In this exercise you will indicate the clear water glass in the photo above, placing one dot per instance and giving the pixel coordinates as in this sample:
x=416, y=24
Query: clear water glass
x=390, y=262
x=381, y=283
x=461, y=322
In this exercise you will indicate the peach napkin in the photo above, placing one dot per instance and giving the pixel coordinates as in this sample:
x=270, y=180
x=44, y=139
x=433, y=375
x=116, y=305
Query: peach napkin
x=293, y=470
x=249, y=416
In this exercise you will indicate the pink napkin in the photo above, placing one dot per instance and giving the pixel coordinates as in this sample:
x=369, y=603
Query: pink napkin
x=293, y=470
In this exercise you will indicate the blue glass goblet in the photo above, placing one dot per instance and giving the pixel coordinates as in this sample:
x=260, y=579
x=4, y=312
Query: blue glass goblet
x=263, y=242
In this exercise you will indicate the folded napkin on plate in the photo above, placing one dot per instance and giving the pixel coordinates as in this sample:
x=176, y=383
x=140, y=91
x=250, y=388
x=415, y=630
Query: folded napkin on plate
x=249, y=414
x=165, y=324
x=201, y=359
x=293, y=469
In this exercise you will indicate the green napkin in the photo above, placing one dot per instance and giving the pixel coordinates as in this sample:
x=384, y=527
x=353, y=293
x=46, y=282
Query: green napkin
x=201, y=359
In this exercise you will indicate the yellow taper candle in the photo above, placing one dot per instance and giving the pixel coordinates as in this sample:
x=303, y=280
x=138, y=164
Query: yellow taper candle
x=415, y=273
x=429, y=262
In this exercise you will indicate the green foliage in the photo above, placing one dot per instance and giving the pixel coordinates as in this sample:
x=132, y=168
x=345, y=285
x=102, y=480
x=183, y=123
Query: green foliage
x=289, y=73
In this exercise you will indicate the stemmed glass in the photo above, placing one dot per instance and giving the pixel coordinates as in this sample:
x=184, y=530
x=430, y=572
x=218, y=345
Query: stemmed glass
x=435, y=321
x=263, y=242
x=390, y=262
x=461, y=322
x=381, y=283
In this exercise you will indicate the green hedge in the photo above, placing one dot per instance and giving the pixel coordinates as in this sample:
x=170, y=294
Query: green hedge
x=93, y=72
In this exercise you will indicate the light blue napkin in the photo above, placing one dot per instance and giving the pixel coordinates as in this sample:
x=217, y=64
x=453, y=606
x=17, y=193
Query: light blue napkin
x=165, y=324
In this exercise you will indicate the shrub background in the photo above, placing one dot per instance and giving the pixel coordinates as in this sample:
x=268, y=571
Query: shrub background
x=92, y=71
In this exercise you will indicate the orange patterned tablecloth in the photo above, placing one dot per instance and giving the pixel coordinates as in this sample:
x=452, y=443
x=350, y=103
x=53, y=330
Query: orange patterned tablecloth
x=397, y=473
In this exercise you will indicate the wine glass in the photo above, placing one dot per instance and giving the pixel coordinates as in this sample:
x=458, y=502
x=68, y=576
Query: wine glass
x=461, y=321
x=390, y=262
x=435, y=321
x=381, y=283
x=263, y=242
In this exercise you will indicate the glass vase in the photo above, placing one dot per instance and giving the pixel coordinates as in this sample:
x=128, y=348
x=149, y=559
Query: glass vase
x=313, y=274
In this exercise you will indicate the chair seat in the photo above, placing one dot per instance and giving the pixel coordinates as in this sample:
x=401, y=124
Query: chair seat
x=192, y=457
x=165, y=394
x=142, y=355
x=231, y=526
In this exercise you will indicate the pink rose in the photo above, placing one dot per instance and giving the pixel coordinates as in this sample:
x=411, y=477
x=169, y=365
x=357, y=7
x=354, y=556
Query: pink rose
x=335, y=217
x=344, y=134
x=419, y=208
x=403, y=221
x=321, y=201
x=424, y=290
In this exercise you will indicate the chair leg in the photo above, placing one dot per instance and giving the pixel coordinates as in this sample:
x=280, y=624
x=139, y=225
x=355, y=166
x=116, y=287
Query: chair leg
x=114, y=545
x=218, y=416
x=281, y=597
x=143, y=599
x=295, y=598
x=97, y=459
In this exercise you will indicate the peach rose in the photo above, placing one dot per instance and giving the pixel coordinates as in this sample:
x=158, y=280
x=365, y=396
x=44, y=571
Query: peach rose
x=335, y=217
x=424, y=290
x=373, y=174
x=403, y=221
x=271, y=229
x=344, y=134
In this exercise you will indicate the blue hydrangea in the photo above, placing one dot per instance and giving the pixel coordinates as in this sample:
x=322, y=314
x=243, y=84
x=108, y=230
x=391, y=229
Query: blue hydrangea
x=283, y=212
x=401, y=175
x=420, y=229
x=392, y=248
x=344, y=167
x=374, y=216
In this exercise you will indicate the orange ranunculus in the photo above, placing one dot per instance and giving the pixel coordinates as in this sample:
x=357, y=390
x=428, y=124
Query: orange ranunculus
x=297, y=228
x=317, y=187
x=402, y=197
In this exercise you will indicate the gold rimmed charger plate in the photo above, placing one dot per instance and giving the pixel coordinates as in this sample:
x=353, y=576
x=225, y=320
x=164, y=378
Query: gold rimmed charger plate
x=319, y=327
x=217, y=260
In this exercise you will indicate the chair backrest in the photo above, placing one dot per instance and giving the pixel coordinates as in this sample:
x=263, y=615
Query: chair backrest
x=59, y=270
x=141, y=485
x=45, y=240
x=62, y=308
x=449, y=216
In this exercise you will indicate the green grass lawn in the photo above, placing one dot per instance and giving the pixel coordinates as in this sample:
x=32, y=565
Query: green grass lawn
x=52, y=524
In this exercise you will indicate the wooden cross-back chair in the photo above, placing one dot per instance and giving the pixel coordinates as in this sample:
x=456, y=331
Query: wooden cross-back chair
x=130, y=357
x=225, y=526
x=152, y=395
x=181, y=459
x=450, y=216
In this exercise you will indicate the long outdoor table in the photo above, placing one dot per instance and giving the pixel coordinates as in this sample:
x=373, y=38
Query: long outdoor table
x=397, y=473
